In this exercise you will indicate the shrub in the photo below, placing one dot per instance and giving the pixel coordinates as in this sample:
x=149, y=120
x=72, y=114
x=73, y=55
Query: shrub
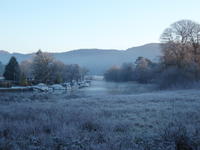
x=175, y=77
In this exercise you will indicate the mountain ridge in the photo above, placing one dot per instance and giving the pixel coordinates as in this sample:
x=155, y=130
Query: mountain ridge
x=96, y=60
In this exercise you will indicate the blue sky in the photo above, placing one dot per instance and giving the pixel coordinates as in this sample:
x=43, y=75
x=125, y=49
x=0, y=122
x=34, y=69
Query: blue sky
x=61, y=25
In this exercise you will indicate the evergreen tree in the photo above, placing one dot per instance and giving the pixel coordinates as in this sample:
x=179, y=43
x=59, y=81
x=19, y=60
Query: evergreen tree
x=12, y=70
x=1, y=68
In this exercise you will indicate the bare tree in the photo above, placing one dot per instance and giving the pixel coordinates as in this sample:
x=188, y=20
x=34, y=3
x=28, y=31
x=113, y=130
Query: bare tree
x=57, y=72
x=26, y=68
x=42, y=63
x=72, y=73
x=183, y=31
x=113, y=74
x=83, y=71
x=181, y=45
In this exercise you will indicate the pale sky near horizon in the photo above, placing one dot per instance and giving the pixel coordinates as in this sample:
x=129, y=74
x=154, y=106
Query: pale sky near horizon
x=62, y=25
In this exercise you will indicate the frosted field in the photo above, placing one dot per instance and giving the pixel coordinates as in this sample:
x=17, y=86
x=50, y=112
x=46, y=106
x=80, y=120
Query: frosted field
x=150, y=120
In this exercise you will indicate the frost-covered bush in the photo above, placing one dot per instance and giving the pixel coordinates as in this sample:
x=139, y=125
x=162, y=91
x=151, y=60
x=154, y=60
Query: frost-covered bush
x=144, y=75
x=173, y=77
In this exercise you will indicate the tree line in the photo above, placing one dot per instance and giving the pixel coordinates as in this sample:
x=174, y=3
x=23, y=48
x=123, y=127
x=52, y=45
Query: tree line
x=142, y=70
x=179, y=64
x=43, y=68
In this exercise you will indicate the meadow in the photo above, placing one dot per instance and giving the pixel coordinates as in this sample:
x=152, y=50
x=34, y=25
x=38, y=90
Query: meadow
x=154, y=120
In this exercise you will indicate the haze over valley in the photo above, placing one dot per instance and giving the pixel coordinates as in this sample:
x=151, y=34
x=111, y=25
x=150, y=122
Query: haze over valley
x=97, y=61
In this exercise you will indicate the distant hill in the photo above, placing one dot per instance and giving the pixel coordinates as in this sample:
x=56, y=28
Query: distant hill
x=96, y=60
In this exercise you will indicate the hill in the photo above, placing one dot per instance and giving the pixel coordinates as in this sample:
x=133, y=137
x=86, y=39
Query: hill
x=96, y=60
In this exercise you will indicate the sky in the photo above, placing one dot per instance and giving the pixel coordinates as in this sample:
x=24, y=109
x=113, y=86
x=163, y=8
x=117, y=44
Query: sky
x=62, y=25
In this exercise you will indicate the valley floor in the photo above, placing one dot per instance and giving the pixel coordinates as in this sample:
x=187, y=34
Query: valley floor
x=153, y=121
